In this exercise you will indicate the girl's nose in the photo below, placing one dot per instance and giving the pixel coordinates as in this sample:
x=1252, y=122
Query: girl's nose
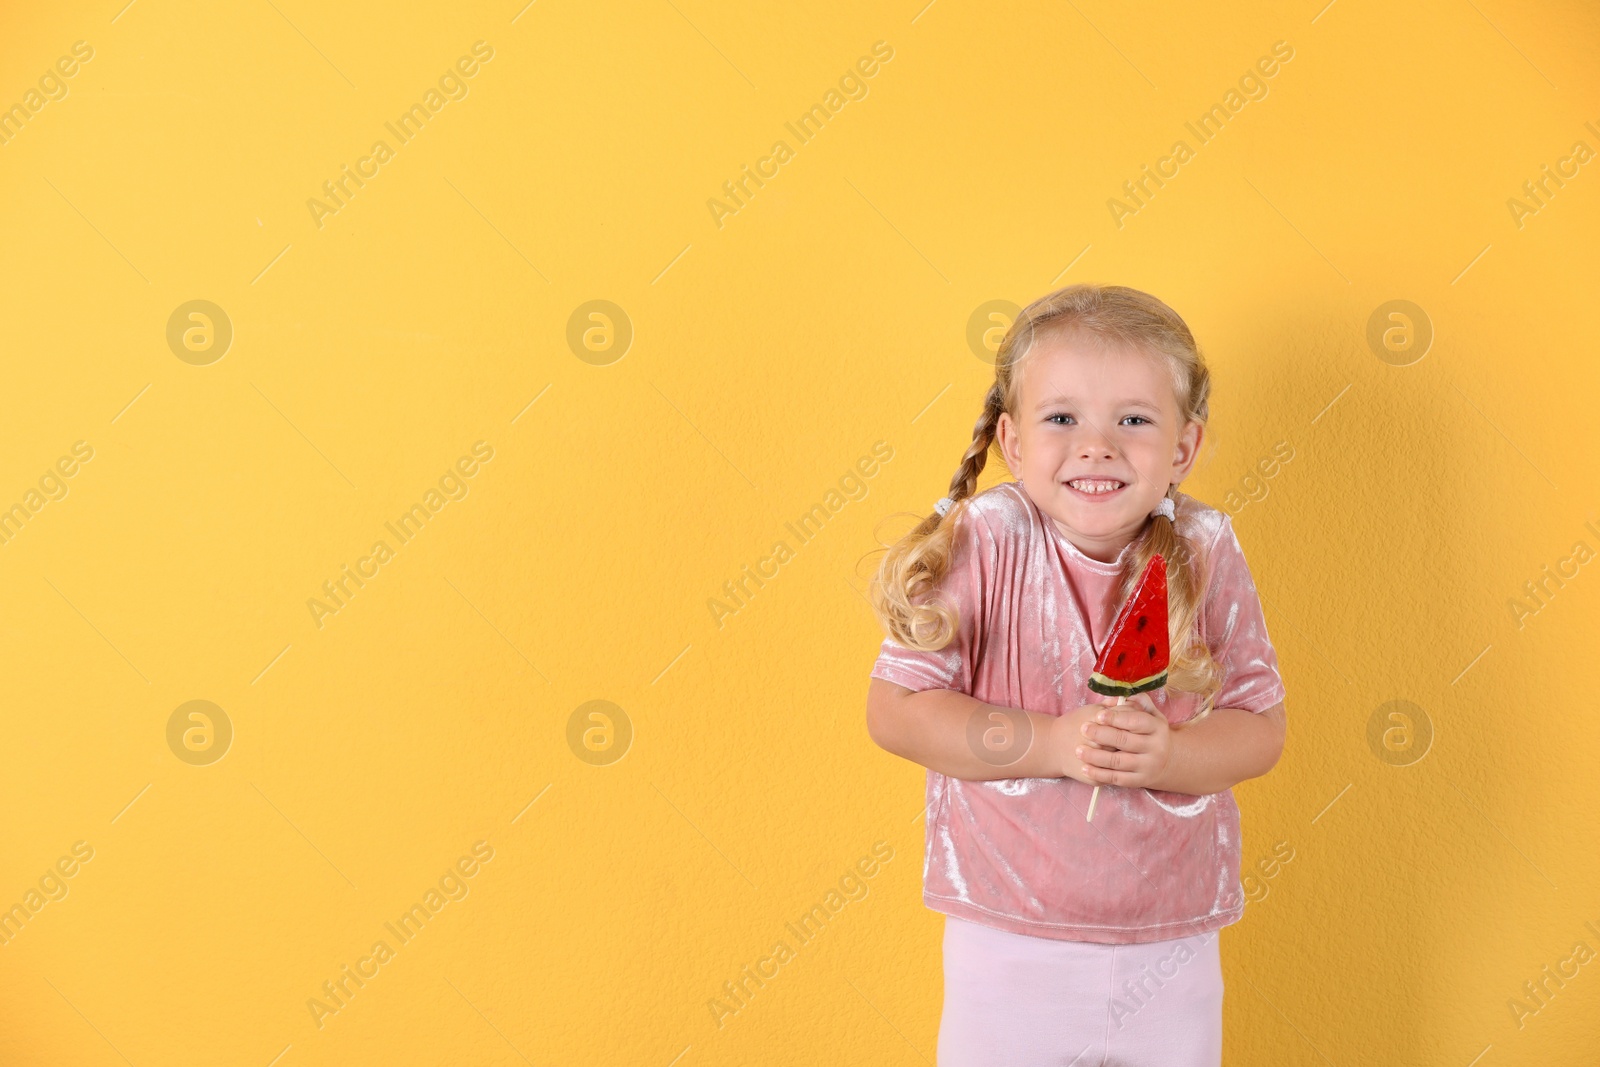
x=1094, y=443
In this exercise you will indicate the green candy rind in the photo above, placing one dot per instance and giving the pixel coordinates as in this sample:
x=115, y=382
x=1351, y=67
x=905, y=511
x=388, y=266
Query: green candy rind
x=1112, y=688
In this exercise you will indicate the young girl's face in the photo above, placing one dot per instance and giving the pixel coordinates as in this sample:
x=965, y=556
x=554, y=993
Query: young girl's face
x=1091, y=415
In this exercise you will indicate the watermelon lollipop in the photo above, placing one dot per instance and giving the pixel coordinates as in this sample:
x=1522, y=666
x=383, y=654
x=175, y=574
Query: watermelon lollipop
x=1135, y=656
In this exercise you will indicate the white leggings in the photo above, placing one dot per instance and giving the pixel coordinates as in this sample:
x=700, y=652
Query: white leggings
x=1012, y=1000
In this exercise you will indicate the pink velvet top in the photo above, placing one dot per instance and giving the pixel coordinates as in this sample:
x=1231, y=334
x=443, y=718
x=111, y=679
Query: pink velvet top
x=1016, y=853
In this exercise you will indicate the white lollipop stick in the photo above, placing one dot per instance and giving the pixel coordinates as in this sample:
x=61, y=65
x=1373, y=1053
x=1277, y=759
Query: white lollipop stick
x=1095, y=796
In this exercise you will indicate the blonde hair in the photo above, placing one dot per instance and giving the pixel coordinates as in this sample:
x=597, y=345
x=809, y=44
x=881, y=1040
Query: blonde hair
x=915, y=565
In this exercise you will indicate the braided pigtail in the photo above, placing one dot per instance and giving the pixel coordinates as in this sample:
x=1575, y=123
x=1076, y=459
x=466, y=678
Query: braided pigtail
x=918, y=562
x=1192, y=668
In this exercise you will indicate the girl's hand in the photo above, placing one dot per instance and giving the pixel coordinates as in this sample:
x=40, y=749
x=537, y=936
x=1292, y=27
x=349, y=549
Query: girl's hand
x=1128, y=744
x=1068, y=736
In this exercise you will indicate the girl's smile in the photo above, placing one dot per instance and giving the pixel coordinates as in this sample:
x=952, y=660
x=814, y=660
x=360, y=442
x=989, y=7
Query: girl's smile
x=1096, y=489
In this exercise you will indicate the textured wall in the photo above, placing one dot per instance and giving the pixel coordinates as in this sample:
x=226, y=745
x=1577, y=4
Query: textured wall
x=279, y=273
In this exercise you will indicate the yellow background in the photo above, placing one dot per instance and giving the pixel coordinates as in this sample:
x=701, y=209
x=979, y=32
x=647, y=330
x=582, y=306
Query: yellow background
x=769, y=354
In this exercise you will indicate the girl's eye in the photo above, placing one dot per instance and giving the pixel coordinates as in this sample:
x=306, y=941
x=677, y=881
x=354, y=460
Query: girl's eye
x=1052, y=418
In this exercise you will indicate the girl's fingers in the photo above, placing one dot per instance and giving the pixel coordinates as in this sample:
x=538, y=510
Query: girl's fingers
x=1101, y=776
x=1130, y=743
x=1116, y=759
x=1101, y=757
x=1132, y=721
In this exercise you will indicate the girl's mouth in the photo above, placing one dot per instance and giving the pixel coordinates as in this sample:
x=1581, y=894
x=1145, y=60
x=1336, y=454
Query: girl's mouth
x=1096, y=488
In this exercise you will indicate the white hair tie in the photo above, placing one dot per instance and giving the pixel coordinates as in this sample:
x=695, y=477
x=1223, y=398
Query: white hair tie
x=943, y=506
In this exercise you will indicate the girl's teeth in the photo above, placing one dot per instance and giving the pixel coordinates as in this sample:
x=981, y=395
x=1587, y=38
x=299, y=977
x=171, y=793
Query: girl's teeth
x=1095, y=486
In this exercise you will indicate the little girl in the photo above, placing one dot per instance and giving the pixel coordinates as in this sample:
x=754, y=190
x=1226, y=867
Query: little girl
x=1069, y=941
